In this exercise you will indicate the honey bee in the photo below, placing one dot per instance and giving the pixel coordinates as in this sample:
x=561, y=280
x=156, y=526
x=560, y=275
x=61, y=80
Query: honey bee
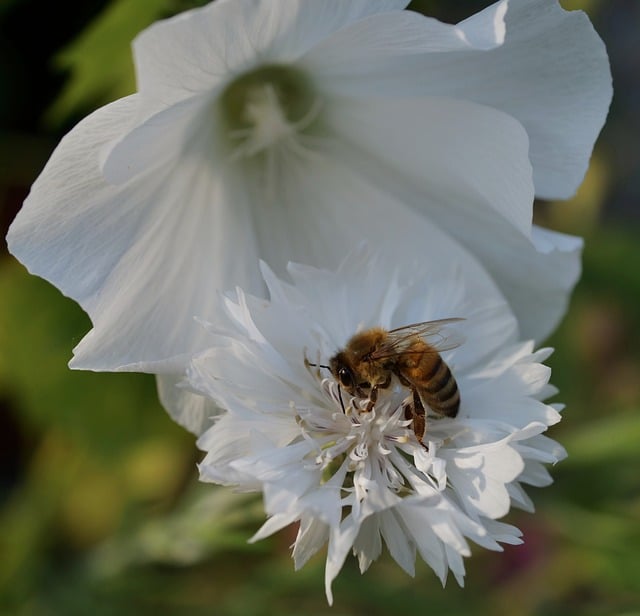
x=371, y=359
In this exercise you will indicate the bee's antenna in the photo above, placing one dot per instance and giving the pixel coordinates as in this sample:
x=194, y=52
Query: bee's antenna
x=317, y=365
x=340, y=397
x=308, y=363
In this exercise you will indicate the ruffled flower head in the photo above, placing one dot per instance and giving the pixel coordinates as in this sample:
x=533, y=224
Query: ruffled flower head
x=357, y=475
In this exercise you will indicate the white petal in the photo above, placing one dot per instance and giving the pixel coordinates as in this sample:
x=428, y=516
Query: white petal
x=520, y=498
x=341, y=540
x=367, y=57
x=454, y=160
x=536, y=275
x=543, y=449
x=504, y=533
x=271, y=465
x=118, y=250
x=273, y=525
x=198, y=50
x=518, y=378
x=552, y=74
x=403, y=33
x=292, y=494
x=480, y=480
x=121, y=247
x=537, y=283
x=368, y=544
x=486, y=329
x=63, y=231
x=402, y=550
x=506, y=357
x=554, y=276
x=417, y=519
x=156, y=141
x=222, y=374
x=225, y=442
x=312, y=535
x=158, y=265
x=487, y=29
x=535, y=474
x=192, y=411
x=364, y=212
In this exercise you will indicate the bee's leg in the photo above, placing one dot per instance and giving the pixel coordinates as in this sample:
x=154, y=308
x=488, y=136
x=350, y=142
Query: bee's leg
x=373, y=394
x=373, y=397
x=414, y=410
x=419, y=417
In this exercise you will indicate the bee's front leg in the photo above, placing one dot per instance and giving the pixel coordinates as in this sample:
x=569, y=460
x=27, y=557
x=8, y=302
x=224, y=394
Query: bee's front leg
x=373, y=398
x=373, y=394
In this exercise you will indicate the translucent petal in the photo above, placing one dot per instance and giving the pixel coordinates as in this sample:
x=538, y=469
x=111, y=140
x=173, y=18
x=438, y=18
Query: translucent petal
x=65, y=232
x=198, y=50
x=551, y=73
x=551, y=280
x=192, y=411
x=417, y=519
x=399, y=545
x=156, y=141
x=456, y=161
x=118, y=249
x=157, y=265
x=364, y=212
x=480, y=480
x=537, y=283
x=374, y=47
x=312, y=535
x=487, y=213
x=368, y=544
x=341, y=540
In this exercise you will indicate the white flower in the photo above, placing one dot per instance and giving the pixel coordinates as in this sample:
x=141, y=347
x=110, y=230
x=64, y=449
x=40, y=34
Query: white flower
x=353, y=478
x=284, y=130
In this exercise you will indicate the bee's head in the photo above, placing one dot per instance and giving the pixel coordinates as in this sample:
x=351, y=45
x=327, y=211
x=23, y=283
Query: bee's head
x=343, y=373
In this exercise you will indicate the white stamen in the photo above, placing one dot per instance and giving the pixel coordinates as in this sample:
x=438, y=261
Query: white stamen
x=269, y=125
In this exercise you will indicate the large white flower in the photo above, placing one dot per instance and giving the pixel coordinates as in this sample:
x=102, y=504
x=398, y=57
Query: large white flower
x=288, y=131
x=357, y=477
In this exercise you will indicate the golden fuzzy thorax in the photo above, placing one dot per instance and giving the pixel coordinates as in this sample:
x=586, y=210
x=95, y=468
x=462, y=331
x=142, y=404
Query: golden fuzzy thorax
x=357, y=355
x=364, y=343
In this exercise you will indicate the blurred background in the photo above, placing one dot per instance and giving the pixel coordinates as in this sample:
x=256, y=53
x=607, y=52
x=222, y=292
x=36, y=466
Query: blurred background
x=100, y=510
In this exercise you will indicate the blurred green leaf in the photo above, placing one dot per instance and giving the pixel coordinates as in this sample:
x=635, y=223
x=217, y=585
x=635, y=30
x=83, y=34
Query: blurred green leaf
x=38, y=329
x=605, y=543
x=610, y=259
x=212, y=519
x=608, y=440
x=100, y=61
x=102, y=447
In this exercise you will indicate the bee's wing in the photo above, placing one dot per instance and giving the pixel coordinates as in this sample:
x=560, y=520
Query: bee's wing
x=435, y=333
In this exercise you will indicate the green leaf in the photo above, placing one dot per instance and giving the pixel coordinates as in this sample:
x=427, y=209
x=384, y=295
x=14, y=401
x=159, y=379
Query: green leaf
x=611, y=439
x=212, y=519
x=99, y=60
x=39, y=327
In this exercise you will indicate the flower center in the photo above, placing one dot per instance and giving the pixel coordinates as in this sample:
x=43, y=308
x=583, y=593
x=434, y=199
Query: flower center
x=268, y=106
x=356, y=434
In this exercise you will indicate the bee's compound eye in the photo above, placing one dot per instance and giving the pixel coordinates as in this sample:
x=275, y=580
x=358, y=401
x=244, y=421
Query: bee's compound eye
x=345, y=377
